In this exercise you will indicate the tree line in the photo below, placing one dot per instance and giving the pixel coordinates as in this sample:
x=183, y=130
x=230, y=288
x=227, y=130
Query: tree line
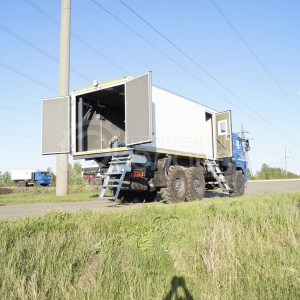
x=266, y=172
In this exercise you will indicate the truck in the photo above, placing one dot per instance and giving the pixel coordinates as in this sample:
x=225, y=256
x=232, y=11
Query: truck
x=92, y=174
x=146, y=139
x=30, y=177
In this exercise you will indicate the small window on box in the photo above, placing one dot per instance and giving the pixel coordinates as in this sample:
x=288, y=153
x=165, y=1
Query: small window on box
x=222, y=126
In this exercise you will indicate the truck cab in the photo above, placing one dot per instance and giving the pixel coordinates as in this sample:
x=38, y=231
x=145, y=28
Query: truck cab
x=232, y=170
x=239, y=154
x=43, y=178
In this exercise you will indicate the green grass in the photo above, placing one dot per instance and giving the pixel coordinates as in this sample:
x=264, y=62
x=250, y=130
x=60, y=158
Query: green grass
x=46, y=194
x=221, y=248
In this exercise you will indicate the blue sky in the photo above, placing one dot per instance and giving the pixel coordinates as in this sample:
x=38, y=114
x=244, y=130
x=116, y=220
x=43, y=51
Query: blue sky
x=267, y=103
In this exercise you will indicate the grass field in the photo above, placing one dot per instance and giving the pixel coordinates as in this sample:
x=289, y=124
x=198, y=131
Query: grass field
x=47, y=194
x=242, y=248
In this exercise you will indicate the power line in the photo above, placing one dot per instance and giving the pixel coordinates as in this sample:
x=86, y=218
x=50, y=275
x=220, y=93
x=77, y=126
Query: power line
x=18, y=141
x=112, y=62
x=27, y=76
x=42, y=12
x=13, y=148
x=81, y=40
x=18, y=121
x=255, y=56
x=187, y=56
x=78, y=38
x=19, y=99
x=20, y=93
x=166, y=55
x=19, y=134
x=41, y=51
x=30, y=112
x=185, y=69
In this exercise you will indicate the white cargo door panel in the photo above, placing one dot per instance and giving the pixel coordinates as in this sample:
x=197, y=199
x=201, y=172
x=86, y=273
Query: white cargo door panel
x=223, y=134
x=138, y=110
x=56, y=125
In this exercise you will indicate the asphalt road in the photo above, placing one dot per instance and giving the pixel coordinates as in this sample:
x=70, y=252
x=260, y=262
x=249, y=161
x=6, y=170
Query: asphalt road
x=23, y=210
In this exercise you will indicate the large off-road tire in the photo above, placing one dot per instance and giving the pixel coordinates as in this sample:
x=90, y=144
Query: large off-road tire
x=195, y=184
x=238, y=185
x=176, y=190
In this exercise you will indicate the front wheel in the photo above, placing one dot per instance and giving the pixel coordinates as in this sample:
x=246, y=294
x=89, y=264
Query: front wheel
x=238, y=185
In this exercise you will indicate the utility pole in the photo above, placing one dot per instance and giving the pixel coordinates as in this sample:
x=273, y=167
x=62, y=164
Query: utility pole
x=63, y=90
x=285, y=161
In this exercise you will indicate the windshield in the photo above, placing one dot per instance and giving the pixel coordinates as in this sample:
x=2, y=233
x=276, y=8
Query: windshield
x=45, y=174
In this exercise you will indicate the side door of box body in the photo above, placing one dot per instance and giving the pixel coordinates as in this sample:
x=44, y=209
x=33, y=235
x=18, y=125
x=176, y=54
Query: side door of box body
x=223, y=136
x=138, y=110
x=56, y=125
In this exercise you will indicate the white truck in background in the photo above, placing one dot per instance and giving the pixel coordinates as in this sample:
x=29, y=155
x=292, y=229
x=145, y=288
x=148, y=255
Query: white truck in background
x=30, y=177
x=146, y=139
x=92, y=174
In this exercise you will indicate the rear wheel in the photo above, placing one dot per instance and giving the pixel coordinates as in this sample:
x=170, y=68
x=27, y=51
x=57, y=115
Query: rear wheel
x=238, y=185
x=195, y=183
x=176, y=190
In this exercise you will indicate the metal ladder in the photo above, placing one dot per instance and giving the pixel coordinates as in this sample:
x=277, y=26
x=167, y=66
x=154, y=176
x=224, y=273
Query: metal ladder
x=119, y=165
x=213, y=167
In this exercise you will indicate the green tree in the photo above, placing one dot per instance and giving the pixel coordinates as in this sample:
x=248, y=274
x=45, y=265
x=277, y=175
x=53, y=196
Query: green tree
x=250, y=175
x=6, y=180
x=53, y=176
x=75, y=174
x=267, y=172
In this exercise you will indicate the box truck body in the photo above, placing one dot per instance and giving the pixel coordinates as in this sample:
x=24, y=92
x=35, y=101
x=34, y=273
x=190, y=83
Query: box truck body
x=150, y=126
x=22, y=174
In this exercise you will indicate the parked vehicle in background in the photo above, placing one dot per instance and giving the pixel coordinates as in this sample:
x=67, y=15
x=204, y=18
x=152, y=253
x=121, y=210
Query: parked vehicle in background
x=30, y=177
x=92, y=174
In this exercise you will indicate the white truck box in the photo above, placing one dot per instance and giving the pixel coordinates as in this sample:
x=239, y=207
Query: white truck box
x=137, y=115
x=22, y=174
x=180, y=125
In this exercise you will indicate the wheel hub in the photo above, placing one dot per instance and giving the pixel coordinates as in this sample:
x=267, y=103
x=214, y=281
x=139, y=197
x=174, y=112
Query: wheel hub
x=179, y=185
x=197, y=184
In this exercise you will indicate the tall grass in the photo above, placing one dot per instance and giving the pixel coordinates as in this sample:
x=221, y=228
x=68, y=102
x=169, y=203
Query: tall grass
x=47, y=194
x=243, y=248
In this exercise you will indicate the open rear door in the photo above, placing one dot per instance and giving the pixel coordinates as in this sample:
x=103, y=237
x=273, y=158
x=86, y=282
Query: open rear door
x=223, y=134
x=138, y=110
x=56, y=125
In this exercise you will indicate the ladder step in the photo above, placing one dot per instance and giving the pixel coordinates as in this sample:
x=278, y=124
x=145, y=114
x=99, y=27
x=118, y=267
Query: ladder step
x=113, y=173
x=118, y=167
x=107, y=197
x=110, y=185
